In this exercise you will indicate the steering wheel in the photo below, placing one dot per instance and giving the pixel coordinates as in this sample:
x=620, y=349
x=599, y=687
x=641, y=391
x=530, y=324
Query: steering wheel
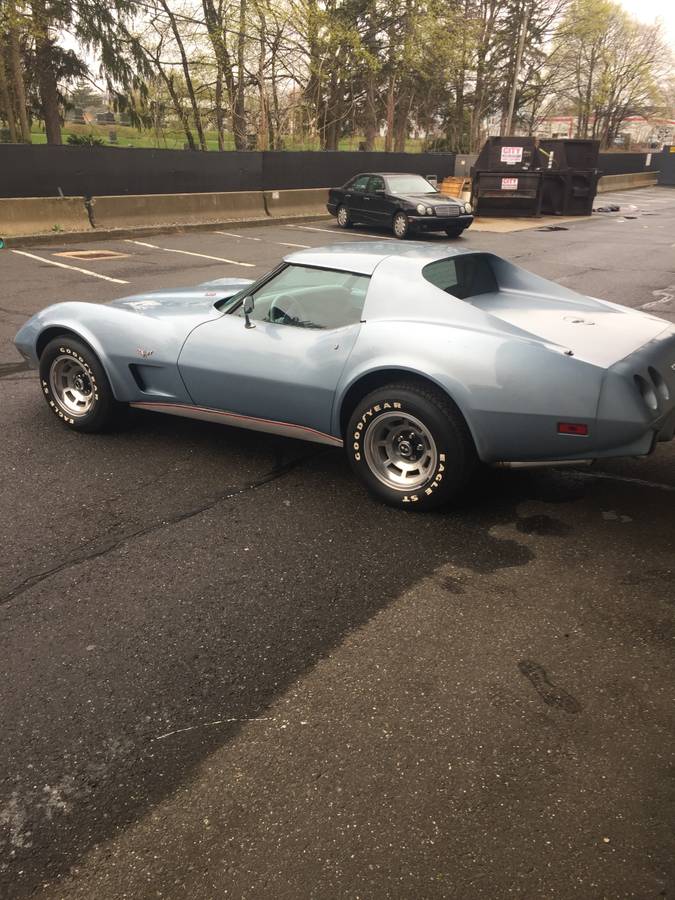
x=281, y=310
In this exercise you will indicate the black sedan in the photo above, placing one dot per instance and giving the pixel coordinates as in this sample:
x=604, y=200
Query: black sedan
x=405, y=203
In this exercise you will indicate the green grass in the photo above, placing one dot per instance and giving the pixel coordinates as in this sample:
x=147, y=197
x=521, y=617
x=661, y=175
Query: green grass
x=174, y=140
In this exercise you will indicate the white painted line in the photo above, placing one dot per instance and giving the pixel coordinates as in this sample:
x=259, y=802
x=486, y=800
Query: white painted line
x=53, y=262
x=310, y=228
x=246, y=237
x=667, y=296
x=623, y=478
x=358, y=234
x=143, y=244
x=232, y=262
x=161, y=737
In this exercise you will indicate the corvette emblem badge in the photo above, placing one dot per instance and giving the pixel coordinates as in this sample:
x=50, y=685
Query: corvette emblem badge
x=144, y=353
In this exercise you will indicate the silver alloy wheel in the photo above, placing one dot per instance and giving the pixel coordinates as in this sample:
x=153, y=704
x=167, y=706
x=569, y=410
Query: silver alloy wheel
x=400, y=451
x=71, y=386
x=400, y=224
x=342, y=217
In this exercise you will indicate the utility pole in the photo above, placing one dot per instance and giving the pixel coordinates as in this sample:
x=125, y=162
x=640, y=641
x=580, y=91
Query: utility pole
x=516, y=69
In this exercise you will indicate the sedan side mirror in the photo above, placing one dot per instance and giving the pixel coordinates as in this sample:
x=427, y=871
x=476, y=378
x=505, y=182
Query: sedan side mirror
x=249, y=306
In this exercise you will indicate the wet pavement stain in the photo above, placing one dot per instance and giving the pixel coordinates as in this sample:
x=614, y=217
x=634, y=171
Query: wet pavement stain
x=452, y=584
x=542, y=525
x=549, y=692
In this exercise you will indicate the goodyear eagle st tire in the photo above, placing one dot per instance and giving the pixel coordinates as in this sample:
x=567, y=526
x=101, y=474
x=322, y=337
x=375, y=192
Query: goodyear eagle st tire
x=410, y=446
x=76, y=387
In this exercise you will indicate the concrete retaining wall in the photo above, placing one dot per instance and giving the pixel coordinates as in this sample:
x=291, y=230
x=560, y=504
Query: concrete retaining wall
x=140, y=210
x=625, y=182
x=35, y=215
x=302, y=202
x=42, y=215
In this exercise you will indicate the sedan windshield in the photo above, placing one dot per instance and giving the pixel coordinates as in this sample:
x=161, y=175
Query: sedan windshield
x=410, y=184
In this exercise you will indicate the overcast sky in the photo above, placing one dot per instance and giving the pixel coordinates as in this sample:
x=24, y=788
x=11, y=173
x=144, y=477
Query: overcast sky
x=650, y=10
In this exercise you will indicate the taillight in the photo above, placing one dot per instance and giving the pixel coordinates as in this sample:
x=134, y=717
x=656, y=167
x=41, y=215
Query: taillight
x=572, y=428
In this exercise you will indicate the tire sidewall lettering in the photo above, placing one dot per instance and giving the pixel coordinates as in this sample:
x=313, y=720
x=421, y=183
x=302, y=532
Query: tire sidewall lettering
x=366, y=419
x=53, y=401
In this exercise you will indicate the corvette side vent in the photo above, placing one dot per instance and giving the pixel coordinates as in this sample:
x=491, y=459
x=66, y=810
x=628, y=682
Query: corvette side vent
x=648, y=392
x=660, y=386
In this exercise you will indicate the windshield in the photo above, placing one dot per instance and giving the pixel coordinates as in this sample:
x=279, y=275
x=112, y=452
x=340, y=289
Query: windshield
x=410, y=184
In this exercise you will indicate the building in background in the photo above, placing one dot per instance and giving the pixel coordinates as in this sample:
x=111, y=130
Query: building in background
x=636, y=131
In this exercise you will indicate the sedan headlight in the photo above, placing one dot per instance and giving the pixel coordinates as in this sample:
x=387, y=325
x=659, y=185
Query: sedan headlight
x=429, y=211
x=420, y=209
x=467, y=207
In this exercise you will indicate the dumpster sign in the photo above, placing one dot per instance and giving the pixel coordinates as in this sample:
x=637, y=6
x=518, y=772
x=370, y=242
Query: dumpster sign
x=509, y=184
x=511, y=155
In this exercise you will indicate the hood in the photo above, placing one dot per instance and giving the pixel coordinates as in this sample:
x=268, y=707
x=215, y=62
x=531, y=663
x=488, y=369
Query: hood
x=178, y=301
x=430, y=199
x=595, y=331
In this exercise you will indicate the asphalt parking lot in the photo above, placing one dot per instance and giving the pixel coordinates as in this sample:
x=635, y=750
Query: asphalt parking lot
x=227, y=672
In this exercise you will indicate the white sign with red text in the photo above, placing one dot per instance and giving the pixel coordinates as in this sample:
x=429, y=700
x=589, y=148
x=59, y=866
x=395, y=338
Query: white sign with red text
x=512, y=155
x=509, y=184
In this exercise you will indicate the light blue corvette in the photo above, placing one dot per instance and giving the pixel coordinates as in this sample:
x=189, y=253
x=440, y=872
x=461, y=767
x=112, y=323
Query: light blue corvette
x=420, y=359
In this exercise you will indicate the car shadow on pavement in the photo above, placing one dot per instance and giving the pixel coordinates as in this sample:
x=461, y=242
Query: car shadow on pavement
x=201, y=595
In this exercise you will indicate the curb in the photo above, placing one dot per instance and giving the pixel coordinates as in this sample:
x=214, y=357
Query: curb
x=111, y=234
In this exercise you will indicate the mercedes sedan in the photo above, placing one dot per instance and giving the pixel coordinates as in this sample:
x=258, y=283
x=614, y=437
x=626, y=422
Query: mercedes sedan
x=404, y=203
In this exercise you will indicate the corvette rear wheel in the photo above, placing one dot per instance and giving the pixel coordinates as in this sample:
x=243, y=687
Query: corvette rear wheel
x=76, y=388
x=401, y=225
x=343, y=219
x=410, y=446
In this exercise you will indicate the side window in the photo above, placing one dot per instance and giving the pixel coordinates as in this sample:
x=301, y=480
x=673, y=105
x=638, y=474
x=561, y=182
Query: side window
x=360, y=184
x=304, y=297
x=462, y=276
x=442, y=274
x=376, y=184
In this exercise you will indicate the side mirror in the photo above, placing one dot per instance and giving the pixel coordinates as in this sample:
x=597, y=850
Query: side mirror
x=249, y=306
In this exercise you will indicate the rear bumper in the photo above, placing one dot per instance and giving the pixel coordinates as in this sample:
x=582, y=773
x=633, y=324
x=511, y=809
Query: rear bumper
x=633, y=413
x=332, y=208
x=637, y=400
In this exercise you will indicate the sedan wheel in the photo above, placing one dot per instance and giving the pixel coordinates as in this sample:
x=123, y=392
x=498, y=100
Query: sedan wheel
x=76, y=387
x=410, y=446
x=454, y=231
x=343, y=219
x=401, y=225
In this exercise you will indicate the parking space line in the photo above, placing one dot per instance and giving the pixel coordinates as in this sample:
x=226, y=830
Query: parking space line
x=232, y=262
x=246, y=237
x=372, y=237
x=640, y=482
x=53, y=262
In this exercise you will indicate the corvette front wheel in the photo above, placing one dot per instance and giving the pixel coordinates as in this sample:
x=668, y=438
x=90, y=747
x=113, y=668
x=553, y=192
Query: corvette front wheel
x=410, y=446
x=76, y=388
